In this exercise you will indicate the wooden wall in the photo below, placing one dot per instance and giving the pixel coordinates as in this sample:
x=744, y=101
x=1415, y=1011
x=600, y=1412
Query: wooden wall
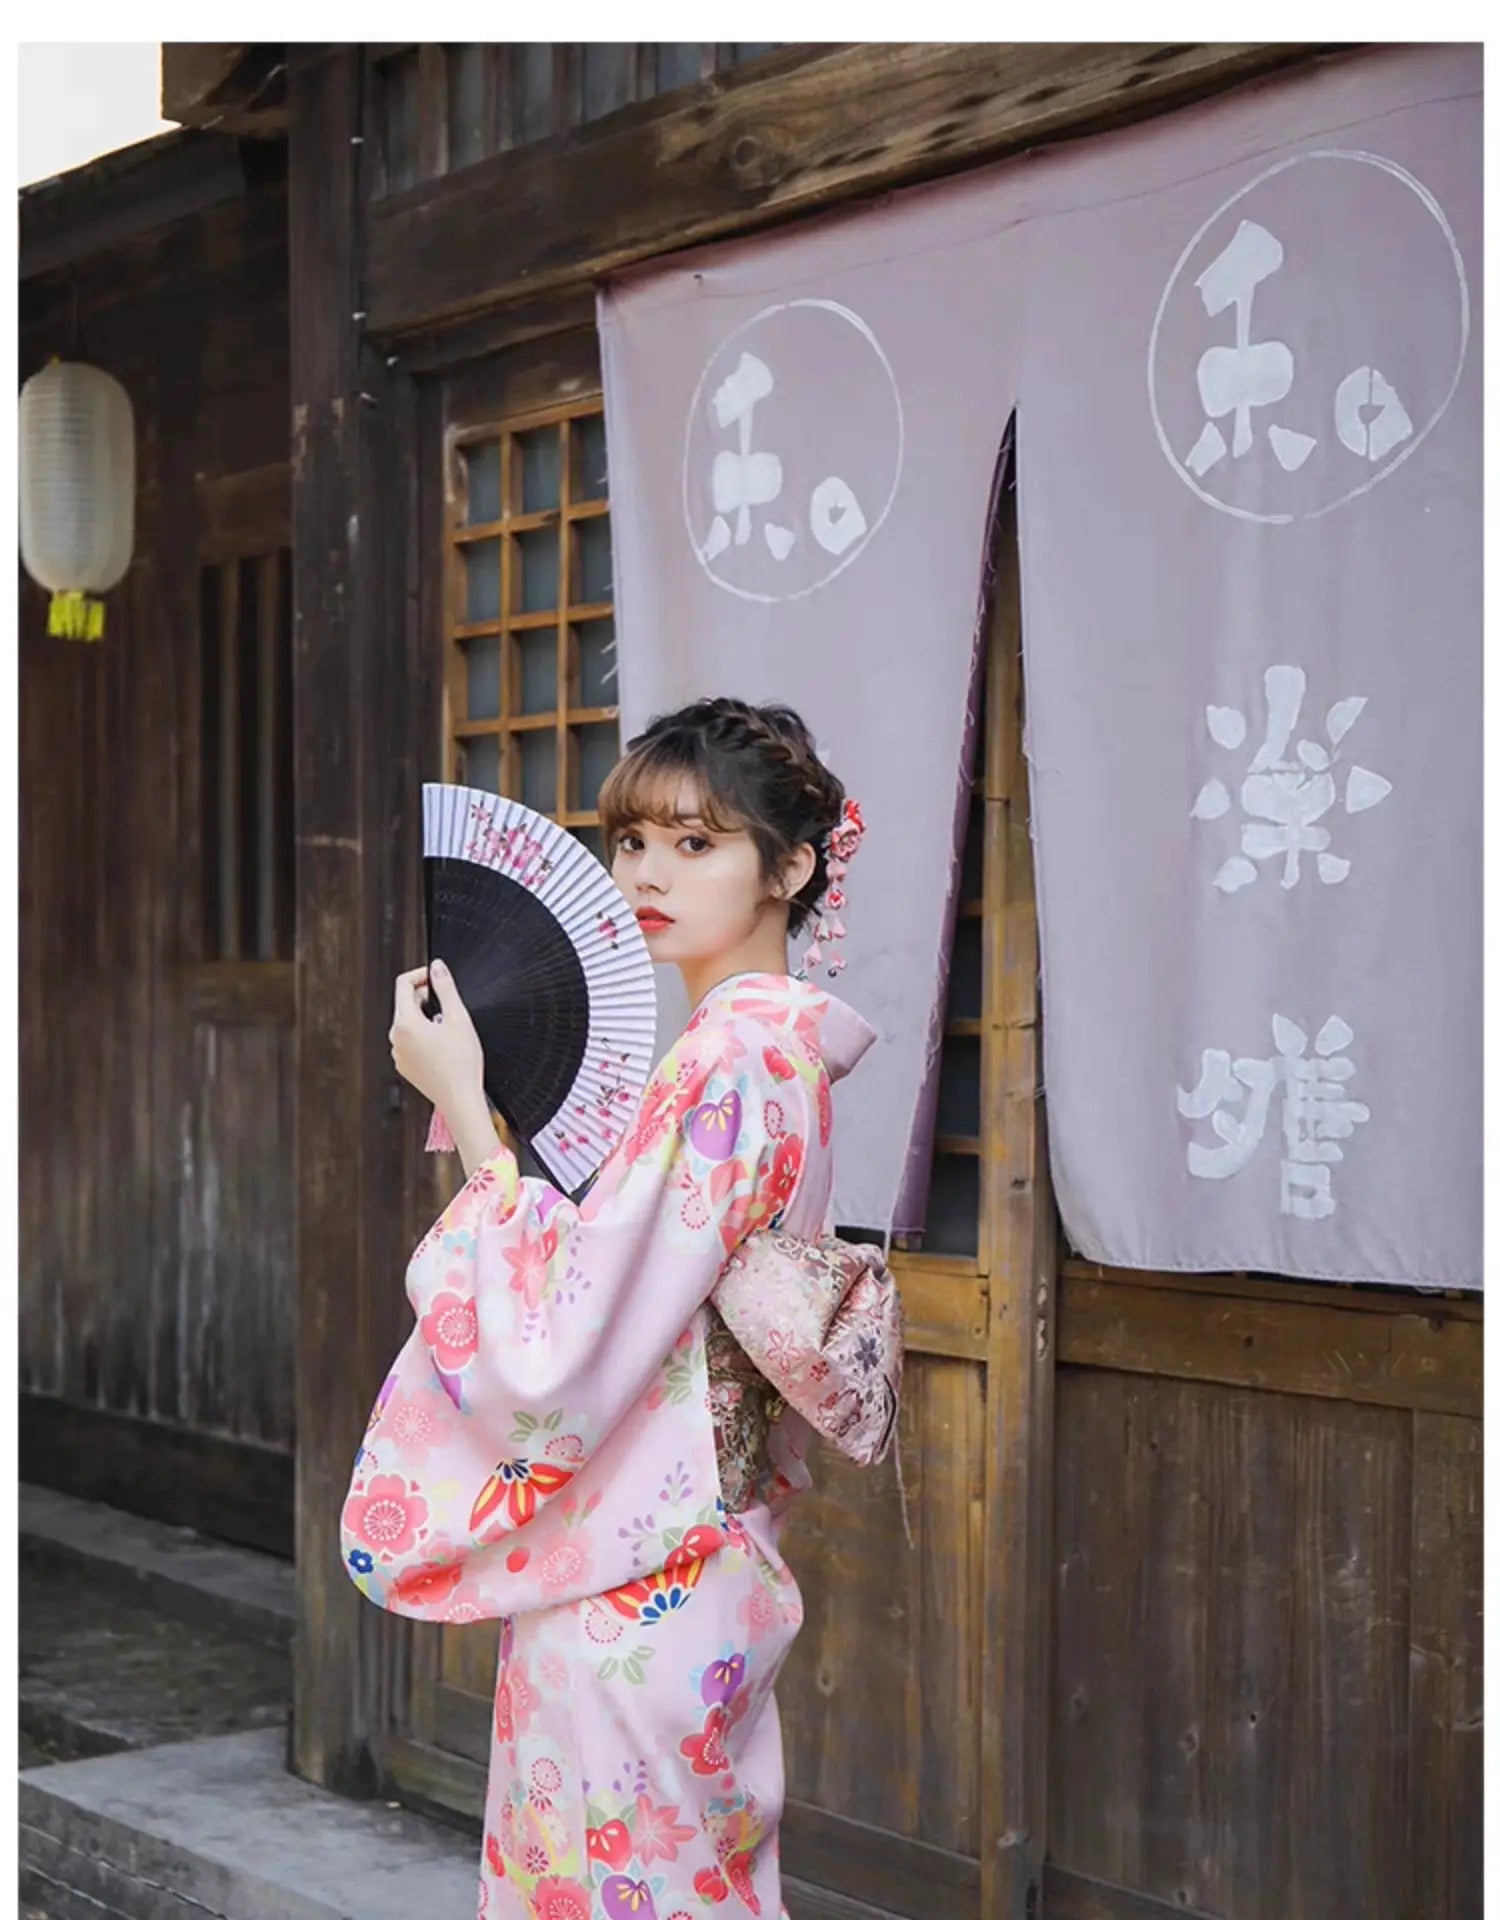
x=156, y=1296
x=1265, y=1693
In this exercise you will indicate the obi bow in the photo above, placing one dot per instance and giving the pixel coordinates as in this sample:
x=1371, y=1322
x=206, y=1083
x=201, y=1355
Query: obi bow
x=821, y=1319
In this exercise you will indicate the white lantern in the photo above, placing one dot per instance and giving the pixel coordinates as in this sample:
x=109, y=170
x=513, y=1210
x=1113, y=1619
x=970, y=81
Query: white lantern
x=77, y=491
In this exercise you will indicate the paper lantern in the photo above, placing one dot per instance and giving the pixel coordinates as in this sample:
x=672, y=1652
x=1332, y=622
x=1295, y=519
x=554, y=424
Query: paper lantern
x=77, y=491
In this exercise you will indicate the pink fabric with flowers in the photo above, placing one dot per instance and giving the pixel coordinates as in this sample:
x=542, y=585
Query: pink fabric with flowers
x=821, y=1319
x=543, y=1451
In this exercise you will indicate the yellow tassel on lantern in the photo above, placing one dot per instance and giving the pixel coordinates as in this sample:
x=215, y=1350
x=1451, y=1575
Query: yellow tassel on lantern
x=75, y=616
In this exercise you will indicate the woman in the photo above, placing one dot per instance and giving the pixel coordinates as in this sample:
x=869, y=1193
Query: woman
x=571, y=1440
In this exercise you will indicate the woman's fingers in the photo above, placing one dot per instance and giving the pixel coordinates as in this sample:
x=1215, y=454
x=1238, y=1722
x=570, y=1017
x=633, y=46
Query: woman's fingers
x=408, y=986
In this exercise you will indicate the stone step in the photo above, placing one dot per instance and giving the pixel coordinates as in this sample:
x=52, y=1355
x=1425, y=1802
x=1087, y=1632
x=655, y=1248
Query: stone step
x=203, y=1582
x=102, y=1668
x=219, y=1830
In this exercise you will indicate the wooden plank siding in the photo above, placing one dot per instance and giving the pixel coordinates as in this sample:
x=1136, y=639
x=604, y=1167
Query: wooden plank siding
x=156, y=1298
x=764, y=144
x=437, y=108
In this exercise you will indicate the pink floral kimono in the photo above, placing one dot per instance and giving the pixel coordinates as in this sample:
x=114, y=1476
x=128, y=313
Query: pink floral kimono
x=573, y=1441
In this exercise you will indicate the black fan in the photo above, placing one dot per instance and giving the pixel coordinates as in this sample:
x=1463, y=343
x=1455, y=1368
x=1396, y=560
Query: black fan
x=550, y=962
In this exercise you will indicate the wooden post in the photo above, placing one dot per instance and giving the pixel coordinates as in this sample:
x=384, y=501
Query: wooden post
x=352, y=509
x=1022, y=1262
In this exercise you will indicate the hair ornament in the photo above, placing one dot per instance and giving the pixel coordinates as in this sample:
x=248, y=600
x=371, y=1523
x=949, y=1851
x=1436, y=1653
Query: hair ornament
x=843, y=843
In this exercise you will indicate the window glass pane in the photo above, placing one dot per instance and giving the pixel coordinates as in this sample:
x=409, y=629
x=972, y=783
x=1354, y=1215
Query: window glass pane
x=541, y=469
x=607, y=74
x=398, y=102
x=213, y=772
x=286, y=880
x=590, y=474
x=245, y=616
x=538, y=669
x=678, y=64
x=466, y=87
x=595, y=563
x=247, y=676
x=750, y=50
x=593, y=839
x=595, y=751
x=953, y=1206
x=482, y=580
x=482, y=475
x=539, y=769
x=966, y=974
x=958, y=1086
x=597, y=680
x=483, y=661
x=535, y=555
x=531, y=77
x=479, y=763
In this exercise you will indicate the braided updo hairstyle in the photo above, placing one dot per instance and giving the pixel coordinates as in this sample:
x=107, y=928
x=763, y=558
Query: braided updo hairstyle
x=755, y=768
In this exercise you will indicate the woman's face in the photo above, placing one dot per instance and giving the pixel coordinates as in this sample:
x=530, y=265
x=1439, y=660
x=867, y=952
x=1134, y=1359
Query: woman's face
x=695, y=892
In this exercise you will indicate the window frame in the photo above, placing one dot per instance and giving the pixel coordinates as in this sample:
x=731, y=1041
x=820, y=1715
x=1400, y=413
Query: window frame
x=573, y=510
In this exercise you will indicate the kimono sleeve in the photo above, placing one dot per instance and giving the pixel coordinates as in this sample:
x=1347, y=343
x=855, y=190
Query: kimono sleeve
x=546, y=1321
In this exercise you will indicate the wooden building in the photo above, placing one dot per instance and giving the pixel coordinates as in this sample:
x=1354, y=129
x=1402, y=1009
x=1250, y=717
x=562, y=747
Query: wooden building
x=1190, y=1621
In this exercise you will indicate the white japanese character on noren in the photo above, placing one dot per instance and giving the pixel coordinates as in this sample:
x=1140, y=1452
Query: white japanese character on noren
x=1315, y=1114
x=748, y=478
x=1259, y=373
x=1287, y=791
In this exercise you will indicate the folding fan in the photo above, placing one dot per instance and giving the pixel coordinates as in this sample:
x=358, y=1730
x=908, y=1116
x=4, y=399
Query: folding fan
x=549, y=960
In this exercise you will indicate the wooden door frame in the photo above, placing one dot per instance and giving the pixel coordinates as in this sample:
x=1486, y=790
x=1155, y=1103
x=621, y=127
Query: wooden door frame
x=1021, y=1256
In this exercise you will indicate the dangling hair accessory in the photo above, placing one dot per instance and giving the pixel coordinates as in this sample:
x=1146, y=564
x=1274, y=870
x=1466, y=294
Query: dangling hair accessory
x=843, y=844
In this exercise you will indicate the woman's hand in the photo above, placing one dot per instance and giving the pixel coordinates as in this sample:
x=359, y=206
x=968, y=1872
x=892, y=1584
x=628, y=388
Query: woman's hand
x=441, y=1058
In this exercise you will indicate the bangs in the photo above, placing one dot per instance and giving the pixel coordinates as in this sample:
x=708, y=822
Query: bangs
x=647, y=783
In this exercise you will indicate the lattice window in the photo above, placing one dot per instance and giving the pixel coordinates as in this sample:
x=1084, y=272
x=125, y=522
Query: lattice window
x=530, y=685
x=439, y=108
x=245, y=640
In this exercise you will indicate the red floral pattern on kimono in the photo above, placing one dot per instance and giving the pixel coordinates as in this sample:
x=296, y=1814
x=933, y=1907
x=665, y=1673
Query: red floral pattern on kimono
x=544, y=1452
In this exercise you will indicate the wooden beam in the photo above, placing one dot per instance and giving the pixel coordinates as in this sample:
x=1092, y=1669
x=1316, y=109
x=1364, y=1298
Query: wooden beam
x=1413, y=1355
x=1077, y=1896
x=1021, y=1257
x=352, y=508
x=247, y=993
x=754, y=149
x=867, y=1864
x=231, y=88
x=245, y=513
x=193, y=75
x=229, y=1489
x=124, y=195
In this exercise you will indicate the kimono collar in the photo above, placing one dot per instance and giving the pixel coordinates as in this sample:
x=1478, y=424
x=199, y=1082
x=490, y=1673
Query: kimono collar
x=840, y=1036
